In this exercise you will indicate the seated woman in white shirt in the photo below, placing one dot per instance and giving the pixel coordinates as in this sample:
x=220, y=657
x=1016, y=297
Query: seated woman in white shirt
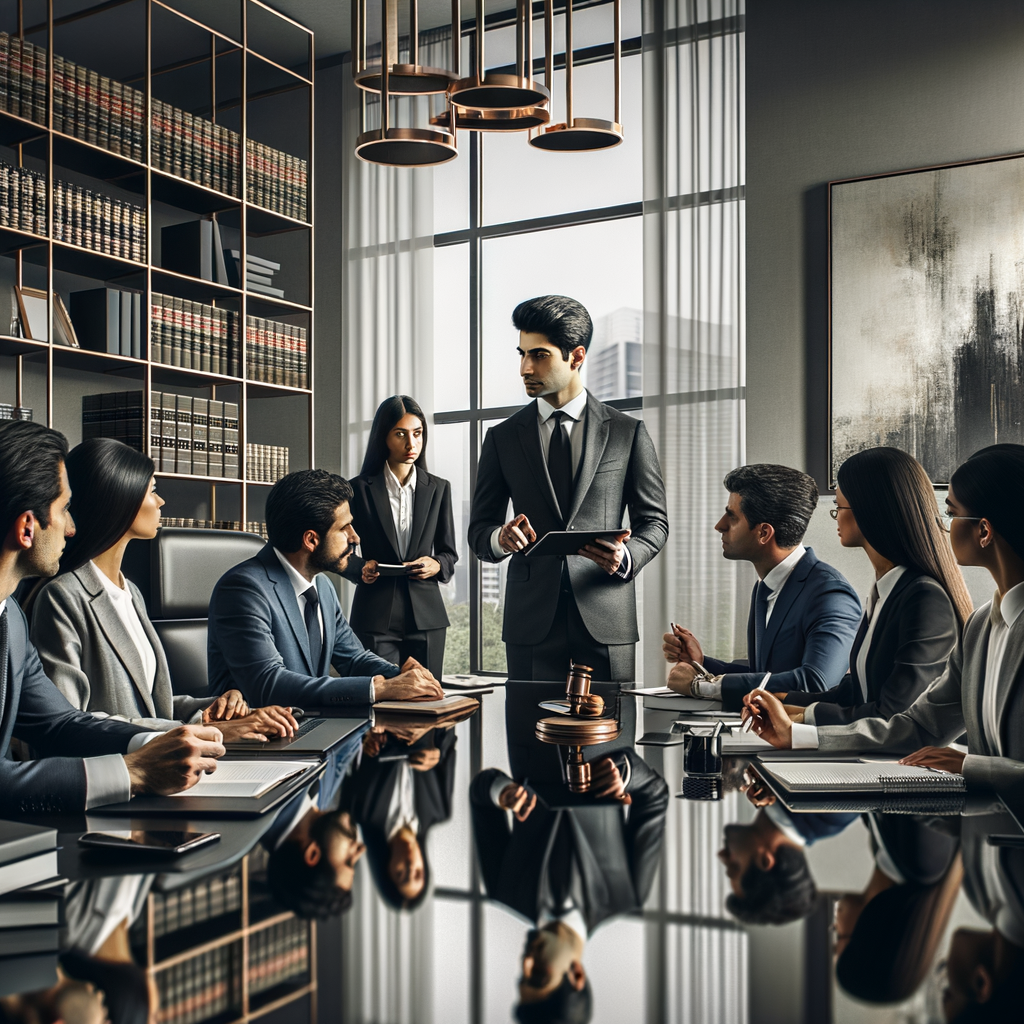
x=885, y=505
x=90, y=624
x=981, y=690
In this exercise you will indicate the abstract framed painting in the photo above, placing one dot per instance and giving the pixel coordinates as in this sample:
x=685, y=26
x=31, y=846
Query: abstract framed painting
x=926, y=312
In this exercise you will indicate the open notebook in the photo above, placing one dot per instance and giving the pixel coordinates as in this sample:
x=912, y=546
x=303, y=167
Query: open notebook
x=886, y=777
x=245, y=778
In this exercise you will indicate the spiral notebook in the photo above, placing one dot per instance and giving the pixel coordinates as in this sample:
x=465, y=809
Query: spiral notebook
x=849, y=777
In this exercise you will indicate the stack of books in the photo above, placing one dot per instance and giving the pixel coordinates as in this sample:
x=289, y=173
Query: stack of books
x=108, y=320
x=194, y=436
x=276, y=353
x=117, y=414
x=202, y=987
x=22, y=199
x=28, y=855
x=260, y=529
x=197, y=903
x=99, y=222
x=98, y=110
x=22, y=78
x=259, y=273
x=14, y=412
x=193, y=335
x=278, y=954
x=275, y=180
x=191, y=147
x=265, y=463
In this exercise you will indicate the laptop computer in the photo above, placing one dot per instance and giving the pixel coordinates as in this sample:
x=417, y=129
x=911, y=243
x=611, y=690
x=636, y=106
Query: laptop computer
x=316, y=735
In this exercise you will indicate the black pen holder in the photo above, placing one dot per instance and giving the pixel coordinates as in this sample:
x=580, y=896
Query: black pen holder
x=702, y=754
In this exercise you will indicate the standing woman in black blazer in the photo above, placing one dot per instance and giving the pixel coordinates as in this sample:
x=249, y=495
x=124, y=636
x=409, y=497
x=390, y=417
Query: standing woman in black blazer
x=403, y=515
x=885, y=505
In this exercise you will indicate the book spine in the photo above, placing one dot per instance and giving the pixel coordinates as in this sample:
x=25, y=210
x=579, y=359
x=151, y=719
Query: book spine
x=40, y=74
x=5, y=71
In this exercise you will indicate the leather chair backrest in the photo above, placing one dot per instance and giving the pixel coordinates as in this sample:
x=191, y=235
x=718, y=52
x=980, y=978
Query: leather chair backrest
x=177, y=581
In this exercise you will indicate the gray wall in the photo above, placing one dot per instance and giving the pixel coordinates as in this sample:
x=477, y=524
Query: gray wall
x=836, y=90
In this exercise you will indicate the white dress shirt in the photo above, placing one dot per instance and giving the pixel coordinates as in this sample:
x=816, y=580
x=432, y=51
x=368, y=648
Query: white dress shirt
x=573, y=411
x=107, y=780
x=1003, y=614
x=300, y=585
x=776, y=579
x=401, y=498
x=402, y=808
x=121, y=597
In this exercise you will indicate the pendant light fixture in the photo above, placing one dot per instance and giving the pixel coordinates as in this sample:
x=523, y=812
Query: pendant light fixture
x=410, y=79
x=578, y=134
x=503, y=92
x=397, y=147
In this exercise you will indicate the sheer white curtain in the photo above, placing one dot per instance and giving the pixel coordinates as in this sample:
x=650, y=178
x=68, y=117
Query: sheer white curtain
x=694, y=313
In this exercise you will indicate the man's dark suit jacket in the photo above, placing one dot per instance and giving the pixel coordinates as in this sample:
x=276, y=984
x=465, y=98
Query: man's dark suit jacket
x=617, y=858
x=433, y=533
x=807, y=643
x=258, y=643
x=618, y=471
x=914, y=635
x=35, y=711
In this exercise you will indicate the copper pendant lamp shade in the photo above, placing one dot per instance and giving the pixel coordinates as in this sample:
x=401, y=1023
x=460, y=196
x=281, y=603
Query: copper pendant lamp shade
x=400, y=147
x=579, y=134
x=509, y=93
x=494, y=120
x=411, y=79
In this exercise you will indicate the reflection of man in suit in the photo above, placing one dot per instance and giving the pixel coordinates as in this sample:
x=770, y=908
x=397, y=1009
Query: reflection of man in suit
x=803, y=613
x=567, y=462
x=568, y=869
x=402, y=788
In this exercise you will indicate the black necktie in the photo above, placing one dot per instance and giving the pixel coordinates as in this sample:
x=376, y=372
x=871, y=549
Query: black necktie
x=560, y=464
x=313, y=627
x=760, y=622
x=3, y=651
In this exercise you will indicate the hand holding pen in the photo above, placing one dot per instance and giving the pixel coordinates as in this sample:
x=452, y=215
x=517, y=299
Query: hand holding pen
x=681, y=645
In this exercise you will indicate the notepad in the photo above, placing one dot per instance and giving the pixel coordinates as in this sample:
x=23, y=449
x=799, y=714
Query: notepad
x=887, y=777
x=245, y=778
x=455, y=702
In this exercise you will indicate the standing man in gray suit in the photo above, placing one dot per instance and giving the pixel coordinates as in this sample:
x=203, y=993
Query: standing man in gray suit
x=567, y=462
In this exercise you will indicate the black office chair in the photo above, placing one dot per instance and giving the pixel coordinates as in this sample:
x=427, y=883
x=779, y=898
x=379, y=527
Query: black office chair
x=177, y=581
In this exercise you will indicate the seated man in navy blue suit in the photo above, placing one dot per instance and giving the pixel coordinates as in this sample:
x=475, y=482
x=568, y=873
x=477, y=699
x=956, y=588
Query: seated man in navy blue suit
x=275, y=621
x=803, y=613
x=85, y=761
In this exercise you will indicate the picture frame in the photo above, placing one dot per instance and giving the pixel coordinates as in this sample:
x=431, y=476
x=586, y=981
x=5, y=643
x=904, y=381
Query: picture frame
x=32, y=310
x=923, y=293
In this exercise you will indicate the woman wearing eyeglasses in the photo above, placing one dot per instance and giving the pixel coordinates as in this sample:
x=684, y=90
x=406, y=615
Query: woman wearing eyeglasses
x=981, y=690
x=885, y=505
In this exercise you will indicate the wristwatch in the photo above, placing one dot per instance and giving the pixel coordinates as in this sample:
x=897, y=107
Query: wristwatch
x=703, y=679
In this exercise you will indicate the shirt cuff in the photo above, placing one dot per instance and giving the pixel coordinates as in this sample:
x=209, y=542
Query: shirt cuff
x=805, y=737
x=373, y=693
x=496, y=549
x=710, y=689
x=106, y=781
x=498, y=785
x=625, y=569
x=809, y=714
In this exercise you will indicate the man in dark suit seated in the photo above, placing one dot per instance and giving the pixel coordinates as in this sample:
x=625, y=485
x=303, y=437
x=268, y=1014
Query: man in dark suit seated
x=276, y=624
x=86, y=761
x=803, y=613
x=568, y=869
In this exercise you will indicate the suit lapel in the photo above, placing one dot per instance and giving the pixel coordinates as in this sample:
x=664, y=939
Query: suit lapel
x=529, y=438
x=595, y=439
x=162, y=682
x=425, y=488
x=791, y=590
x=379, y=494
x=120, y=641
x=289, y=602
x=1013, y=662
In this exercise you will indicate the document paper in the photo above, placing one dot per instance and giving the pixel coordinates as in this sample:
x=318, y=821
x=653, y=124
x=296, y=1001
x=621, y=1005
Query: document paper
x=245, y=778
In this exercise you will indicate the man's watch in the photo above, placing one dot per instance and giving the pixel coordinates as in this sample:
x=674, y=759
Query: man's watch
x=707, y=687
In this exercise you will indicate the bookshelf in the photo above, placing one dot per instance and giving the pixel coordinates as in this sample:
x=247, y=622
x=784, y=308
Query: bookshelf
x=161, y=150
x=220, y=951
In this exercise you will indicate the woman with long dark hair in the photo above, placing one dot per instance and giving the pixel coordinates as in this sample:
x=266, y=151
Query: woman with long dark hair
x=981, y=691
x=885, y=505
x=403, y=516
x=90, y=624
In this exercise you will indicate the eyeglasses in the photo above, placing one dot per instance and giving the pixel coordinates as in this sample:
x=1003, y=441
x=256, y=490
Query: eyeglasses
x=834, y=512
x=950, y=517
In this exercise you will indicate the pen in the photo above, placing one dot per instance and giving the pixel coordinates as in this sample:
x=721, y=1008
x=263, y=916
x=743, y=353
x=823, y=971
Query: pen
x=749, y=723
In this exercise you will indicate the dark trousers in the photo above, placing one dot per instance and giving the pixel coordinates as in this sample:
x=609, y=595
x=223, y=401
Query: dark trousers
x=568, y=640
x=425, y=645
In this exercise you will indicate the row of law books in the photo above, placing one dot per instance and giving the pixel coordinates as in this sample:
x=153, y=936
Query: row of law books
x=22, y=78
x=193, y=335
x=260, y=529
x=265, y=463
x=276, y=353
x=202, y=987
x=197, y=903
x=278, y=954
x=22, y=199
x=98, y=222
x=192, y=147
x=275, y=180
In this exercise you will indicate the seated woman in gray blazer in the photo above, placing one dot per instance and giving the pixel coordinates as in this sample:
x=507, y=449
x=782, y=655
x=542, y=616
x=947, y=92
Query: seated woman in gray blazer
x=90, y=624
x=885, y=505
